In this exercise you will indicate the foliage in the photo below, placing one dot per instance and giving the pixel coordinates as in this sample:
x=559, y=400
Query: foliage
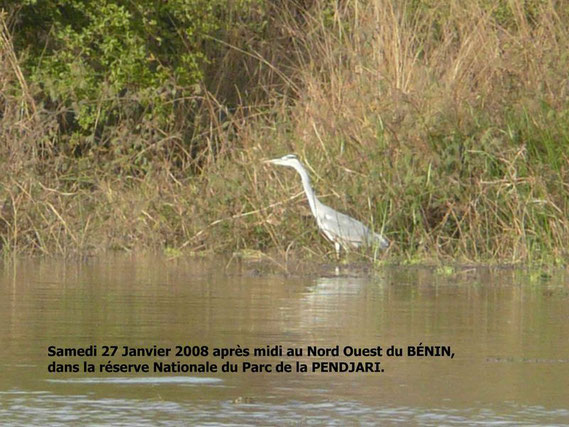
x=102, y=66
x=144, y=124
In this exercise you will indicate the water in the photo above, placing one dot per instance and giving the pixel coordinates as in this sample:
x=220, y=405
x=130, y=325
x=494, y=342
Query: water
x=508, y=330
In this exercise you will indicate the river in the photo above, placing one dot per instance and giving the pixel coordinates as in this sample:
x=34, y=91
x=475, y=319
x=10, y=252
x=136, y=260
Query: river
x=142, y=340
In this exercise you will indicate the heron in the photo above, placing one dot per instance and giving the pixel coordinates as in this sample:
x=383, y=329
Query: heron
x=342, y=230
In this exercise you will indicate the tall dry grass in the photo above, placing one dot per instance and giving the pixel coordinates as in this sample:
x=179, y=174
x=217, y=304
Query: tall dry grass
x=444, y=124
x=441, y=122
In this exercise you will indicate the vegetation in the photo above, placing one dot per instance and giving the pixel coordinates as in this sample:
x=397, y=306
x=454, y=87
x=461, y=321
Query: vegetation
x=133, y=125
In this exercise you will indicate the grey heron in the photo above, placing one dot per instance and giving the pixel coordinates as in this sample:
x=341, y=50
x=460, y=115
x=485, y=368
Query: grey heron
x=341, y=229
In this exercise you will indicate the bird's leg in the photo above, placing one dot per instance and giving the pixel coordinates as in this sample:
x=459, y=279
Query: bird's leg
x=338, y=247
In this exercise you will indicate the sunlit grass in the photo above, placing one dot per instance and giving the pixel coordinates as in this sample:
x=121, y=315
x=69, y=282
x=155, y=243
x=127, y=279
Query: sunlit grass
x=443, y=125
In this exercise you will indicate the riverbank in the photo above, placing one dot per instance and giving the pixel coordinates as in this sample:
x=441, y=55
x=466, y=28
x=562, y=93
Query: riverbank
x=442, y=126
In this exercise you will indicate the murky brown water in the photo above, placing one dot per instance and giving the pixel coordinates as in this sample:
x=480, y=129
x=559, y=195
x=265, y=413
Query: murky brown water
x=509, y=332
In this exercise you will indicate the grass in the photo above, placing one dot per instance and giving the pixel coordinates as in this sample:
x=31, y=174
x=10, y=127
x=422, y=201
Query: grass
x=444, y=124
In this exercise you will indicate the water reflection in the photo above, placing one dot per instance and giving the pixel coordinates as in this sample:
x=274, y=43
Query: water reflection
x=508, y=329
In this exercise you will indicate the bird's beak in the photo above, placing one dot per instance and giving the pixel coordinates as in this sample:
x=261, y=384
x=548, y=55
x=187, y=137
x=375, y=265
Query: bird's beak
x=272, y=161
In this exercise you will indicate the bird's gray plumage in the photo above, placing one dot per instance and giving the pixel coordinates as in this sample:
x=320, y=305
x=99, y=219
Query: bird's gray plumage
x=341, y=229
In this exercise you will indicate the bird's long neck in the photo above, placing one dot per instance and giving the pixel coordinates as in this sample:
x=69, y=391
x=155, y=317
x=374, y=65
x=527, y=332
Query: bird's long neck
x=312, y=200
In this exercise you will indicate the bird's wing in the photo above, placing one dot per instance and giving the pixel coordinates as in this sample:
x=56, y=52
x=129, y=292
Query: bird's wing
x=340, y=227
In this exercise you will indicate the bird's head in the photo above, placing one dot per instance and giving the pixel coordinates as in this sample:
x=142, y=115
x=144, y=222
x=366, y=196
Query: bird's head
x=289, y=160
